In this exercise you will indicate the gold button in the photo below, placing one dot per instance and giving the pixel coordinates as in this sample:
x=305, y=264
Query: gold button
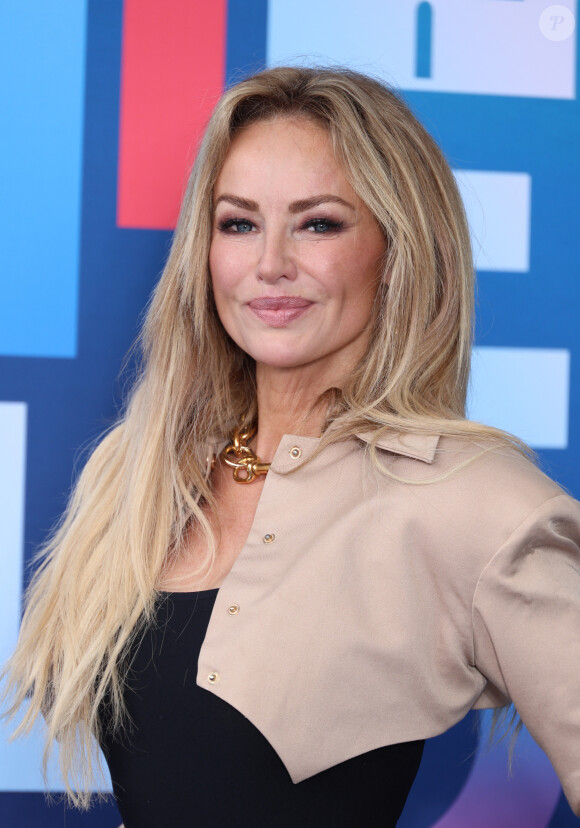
x=213, y=678
x=269, y=537
x=233, y=609
x=295, y=452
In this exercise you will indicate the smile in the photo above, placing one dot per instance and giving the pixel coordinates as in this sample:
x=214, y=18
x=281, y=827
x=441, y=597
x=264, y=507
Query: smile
x=278, y=311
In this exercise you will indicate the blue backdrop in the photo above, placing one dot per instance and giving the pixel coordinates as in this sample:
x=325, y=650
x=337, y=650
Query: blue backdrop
x=495, y=83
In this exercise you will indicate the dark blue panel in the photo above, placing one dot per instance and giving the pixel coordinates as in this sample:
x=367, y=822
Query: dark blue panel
x=563, y=816
x=31, y=810
x=246, y=38
x=445, y=766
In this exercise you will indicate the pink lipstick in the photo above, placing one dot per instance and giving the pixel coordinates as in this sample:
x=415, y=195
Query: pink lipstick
x=278, y=311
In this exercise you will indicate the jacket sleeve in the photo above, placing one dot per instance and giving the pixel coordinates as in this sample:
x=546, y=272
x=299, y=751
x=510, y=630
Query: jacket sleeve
x=526, y=627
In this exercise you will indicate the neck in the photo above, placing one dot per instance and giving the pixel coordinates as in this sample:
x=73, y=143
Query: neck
x=287, y=404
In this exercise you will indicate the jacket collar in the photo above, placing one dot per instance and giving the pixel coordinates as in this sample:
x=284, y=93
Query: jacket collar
x=417, y=446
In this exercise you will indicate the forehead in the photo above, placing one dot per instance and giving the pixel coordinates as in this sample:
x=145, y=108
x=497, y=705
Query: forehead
x=303, y=129
x=283, y=152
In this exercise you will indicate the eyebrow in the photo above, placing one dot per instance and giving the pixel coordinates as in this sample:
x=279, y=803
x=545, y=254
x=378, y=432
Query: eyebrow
x=237, y=201
x=295, y=207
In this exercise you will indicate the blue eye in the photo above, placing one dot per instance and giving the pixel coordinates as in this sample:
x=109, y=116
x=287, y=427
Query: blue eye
x=236, y=226
x=321, y=226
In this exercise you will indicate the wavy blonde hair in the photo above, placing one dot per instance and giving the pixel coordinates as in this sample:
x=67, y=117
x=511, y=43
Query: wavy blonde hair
x=95, y=584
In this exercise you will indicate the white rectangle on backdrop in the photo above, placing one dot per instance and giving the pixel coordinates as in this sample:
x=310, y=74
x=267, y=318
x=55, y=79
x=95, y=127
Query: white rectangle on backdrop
x=499, y=210
x=19, y=760
x=524, y=391
x=489, y=47
x=12, y=483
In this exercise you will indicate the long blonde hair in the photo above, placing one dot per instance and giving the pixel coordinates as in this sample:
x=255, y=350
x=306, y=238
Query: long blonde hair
x=95, y=585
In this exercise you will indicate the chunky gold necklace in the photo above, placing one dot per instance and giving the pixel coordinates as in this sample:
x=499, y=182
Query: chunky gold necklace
x=240, y=457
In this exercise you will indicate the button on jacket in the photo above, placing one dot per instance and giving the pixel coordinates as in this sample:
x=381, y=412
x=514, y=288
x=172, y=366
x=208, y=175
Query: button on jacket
x=373, y=607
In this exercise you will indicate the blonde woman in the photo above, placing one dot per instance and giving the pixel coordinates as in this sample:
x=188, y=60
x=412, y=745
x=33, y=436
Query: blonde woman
x=293, y=559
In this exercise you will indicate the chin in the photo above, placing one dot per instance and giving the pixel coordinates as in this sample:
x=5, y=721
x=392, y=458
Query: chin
x=282, y=362
x=281, y=358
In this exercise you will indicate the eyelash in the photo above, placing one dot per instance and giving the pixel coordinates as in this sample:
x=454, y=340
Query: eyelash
x=229, y=224
x=332, y=225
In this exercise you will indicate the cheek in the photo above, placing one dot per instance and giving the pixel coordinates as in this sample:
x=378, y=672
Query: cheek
x=360, y=273
x=360, y=291
x=215, y=263
x=370, y=262
x=221, y=272
x=228, y=265
x=219, y=285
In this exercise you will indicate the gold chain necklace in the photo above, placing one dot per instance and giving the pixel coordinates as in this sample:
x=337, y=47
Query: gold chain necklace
x=240, y=457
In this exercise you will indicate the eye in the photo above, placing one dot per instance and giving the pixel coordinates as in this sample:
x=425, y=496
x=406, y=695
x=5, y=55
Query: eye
x=322, y=225
x=235, y=226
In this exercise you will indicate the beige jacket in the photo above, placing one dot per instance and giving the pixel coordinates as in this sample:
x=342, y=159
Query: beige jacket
x=365, y=611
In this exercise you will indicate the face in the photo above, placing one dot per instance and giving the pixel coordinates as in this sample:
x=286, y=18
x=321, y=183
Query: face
x=295, y=255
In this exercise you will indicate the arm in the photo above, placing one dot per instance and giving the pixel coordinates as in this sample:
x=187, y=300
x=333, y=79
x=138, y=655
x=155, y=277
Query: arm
x=526, y=627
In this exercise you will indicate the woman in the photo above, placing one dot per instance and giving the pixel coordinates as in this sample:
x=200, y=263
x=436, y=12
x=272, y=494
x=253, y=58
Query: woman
x=295, y=462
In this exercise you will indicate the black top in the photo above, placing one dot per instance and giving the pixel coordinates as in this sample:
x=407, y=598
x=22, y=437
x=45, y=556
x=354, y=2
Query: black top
x=191, y=759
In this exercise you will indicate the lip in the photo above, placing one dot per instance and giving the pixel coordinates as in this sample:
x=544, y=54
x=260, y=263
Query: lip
x=278, y=311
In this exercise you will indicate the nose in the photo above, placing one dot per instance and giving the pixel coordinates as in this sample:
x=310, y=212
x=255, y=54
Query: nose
x=276, y=259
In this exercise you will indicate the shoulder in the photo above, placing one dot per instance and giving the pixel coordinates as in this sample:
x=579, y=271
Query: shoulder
x=496, y=472
x=471, y=496
x=496, y=485
x=463, y=467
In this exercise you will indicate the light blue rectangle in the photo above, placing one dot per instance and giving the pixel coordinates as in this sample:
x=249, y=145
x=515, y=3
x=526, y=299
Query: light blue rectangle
x=42, y=66
x=476, y=47
x=525, y=391
x=499, y=211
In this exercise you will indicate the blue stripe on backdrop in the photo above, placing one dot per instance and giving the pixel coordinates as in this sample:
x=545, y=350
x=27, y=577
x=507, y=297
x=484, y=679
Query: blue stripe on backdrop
x=42, y=59
x=424, y=40
x=246, y=38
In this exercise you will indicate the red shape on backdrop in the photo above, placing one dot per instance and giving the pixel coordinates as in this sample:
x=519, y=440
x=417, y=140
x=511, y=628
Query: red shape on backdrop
x=172, y=73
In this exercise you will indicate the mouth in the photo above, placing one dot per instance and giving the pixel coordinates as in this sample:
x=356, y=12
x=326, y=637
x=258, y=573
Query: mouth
x=278, y=311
